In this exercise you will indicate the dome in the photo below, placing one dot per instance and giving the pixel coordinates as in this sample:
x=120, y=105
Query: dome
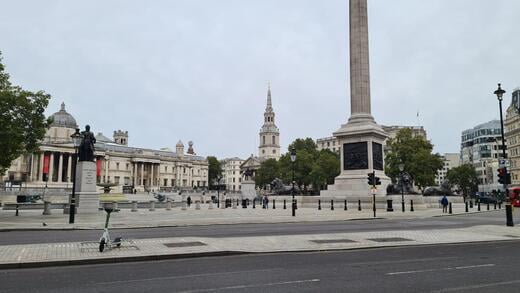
x=63, y=119
x=179, y=144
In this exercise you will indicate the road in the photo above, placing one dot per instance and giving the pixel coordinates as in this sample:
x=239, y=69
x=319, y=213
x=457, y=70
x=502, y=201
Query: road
x=459, y=221
x=473, y=267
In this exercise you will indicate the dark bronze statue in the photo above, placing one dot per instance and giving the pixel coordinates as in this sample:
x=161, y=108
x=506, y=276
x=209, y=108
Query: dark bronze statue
x=86, y=147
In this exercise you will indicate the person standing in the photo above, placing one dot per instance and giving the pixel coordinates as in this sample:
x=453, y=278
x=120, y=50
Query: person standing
x=444, y=202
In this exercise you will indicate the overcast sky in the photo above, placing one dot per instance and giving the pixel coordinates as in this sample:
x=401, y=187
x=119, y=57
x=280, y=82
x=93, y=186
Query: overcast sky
x=198, y=69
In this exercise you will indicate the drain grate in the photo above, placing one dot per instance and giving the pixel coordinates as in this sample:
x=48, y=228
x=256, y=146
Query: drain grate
x=184, y=244
x=389, y=239
x=327, y=241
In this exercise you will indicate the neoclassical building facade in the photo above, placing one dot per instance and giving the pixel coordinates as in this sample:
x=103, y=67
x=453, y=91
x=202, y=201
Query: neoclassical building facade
x=127, y=167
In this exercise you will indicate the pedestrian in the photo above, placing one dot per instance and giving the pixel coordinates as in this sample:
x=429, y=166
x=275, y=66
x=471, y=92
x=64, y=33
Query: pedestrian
x=444, y=202
x=188, y=200
x=266, y=202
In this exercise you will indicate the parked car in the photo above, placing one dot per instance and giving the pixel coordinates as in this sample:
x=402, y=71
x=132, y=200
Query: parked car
x=487, y=199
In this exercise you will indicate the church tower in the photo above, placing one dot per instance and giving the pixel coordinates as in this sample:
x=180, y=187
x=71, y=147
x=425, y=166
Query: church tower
x=269, y=134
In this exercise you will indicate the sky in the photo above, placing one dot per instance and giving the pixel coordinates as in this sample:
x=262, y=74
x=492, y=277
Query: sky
x=198, y=69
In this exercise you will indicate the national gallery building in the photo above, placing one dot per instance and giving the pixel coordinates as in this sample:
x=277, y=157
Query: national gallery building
x=128, y=167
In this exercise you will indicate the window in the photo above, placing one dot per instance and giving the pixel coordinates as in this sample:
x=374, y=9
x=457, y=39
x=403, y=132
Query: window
x=172, y=182
x=117, y=166
x=263, y=139
x=274, y=139
x=165, y=182
x=165, y=170
x=127, y=166
x=263, y=151
x=184, y=171
x=274, y=151
x=127, y=180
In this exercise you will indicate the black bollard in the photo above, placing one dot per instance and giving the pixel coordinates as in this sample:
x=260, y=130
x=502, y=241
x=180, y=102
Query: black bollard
x=319, y=204
x=450, y=209
x=254, y=203
x=274, y=204
x=509, y=215
x=500, y=205
x=284, y=206
x=487, y=208
x=345, y=205
x=295, y=204
x=466, y=204
x=478, y=206
x=495, y=206
x=359, y=205
x=411, y=205
x=331, y=204
x=389, y=205
x=470, y=204
x=16, y=210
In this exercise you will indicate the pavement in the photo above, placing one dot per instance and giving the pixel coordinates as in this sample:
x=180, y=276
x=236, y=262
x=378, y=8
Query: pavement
x=87, y=252
x=143, y=218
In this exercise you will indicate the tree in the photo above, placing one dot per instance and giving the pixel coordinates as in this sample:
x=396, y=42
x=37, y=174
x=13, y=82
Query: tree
x=415, y=152
x=268, y=171
x=326, y=167
x=465, y=177
x=214, y=171
x=306, y=156
x=22, y=120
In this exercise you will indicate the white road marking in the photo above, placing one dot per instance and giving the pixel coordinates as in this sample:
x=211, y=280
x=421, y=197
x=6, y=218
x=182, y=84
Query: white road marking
x=251, y=286
x=183, y=276
x=479, y=286
x=441, y=269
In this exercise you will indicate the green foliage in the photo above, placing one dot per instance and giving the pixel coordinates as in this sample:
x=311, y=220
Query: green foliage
x=268, y=171
x=310, y=168
x=214, y=171
x=415, y=152
x=465, y=177
x=22, y=120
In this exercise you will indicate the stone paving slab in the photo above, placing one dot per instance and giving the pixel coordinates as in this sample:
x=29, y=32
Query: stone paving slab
x=75, y=253
x=33, y=219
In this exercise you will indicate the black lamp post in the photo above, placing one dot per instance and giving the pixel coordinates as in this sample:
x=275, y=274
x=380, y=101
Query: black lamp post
x=76, y=139
x=293, y=158
x=401, y=169
x=219, y=177
x=509, y=210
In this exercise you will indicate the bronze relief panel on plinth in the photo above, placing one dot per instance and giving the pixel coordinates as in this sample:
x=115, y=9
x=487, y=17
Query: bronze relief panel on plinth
x=355, y=156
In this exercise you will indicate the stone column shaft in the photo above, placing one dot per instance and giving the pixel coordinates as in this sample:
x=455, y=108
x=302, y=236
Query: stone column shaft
x=142, y=174
x=51, y=167
x=359, y=65
x=60, y=167
x=40, y=167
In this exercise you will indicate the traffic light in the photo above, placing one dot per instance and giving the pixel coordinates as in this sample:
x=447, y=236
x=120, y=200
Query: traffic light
x=377, y=181
x=503, y=176
x=370, y=178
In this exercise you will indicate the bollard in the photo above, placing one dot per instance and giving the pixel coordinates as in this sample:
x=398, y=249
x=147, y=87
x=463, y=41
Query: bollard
x=345, y=205
x=331, y=204
x=319, y=204
x=466, y=206
x=46, y=208
x=296, y=204
x=134, y=206
x=359, y=205
x=450, y=209
x=152, y=206
x=168, y=205
x=487, y=208
x=274, y=204
x=500, y=205
x=478, y=206
x=284, y=206
x=254, y=203
x=470, y=204
x=389, y=206
x=16, y=210
x=411, y=205
x=509, y=215
x=495, y=206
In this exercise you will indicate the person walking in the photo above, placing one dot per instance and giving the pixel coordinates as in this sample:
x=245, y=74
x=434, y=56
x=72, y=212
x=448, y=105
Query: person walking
x=188, y=201
x=444, y=203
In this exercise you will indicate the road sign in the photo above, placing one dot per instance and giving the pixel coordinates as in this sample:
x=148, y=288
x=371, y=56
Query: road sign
x=373, y=190
x=504, y=163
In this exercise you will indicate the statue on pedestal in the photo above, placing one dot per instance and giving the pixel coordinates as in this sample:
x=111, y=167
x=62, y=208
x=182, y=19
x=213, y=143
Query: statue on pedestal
x=86, y=147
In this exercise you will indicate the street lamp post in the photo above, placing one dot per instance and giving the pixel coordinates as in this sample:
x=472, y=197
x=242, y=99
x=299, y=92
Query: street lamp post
x=401, y=169
x=509, y=210
x=76, y=139
x=219, y=177
x=293, y=158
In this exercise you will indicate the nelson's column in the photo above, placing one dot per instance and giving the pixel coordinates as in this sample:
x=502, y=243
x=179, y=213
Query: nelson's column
x=361, y=139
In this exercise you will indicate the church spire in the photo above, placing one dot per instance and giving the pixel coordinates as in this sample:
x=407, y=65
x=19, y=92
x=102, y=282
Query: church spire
x=269, y=107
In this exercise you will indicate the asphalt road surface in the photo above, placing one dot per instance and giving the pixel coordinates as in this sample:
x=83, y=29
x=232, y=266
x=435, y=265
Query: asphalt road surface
x=476, y=267
x=243, y=230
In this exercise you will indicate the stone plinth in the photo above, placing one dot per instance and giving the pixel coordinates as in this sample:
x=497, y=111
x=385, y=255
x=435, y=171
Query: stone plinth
x=248, y=189
x=87, y=197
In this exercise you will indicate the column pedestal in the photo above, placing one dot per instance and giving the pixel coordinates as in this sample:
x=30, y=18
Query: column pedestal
x=87, y=197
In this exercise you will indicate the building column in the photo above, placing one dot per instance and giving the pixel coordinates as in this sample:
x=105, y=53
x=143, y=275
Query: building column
x=107, y=164
x=51, y=168
x=142, y=173
x=135, y=174
x=151, y=175
x=40, y=167
x=60, y=167
x=69, y=167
